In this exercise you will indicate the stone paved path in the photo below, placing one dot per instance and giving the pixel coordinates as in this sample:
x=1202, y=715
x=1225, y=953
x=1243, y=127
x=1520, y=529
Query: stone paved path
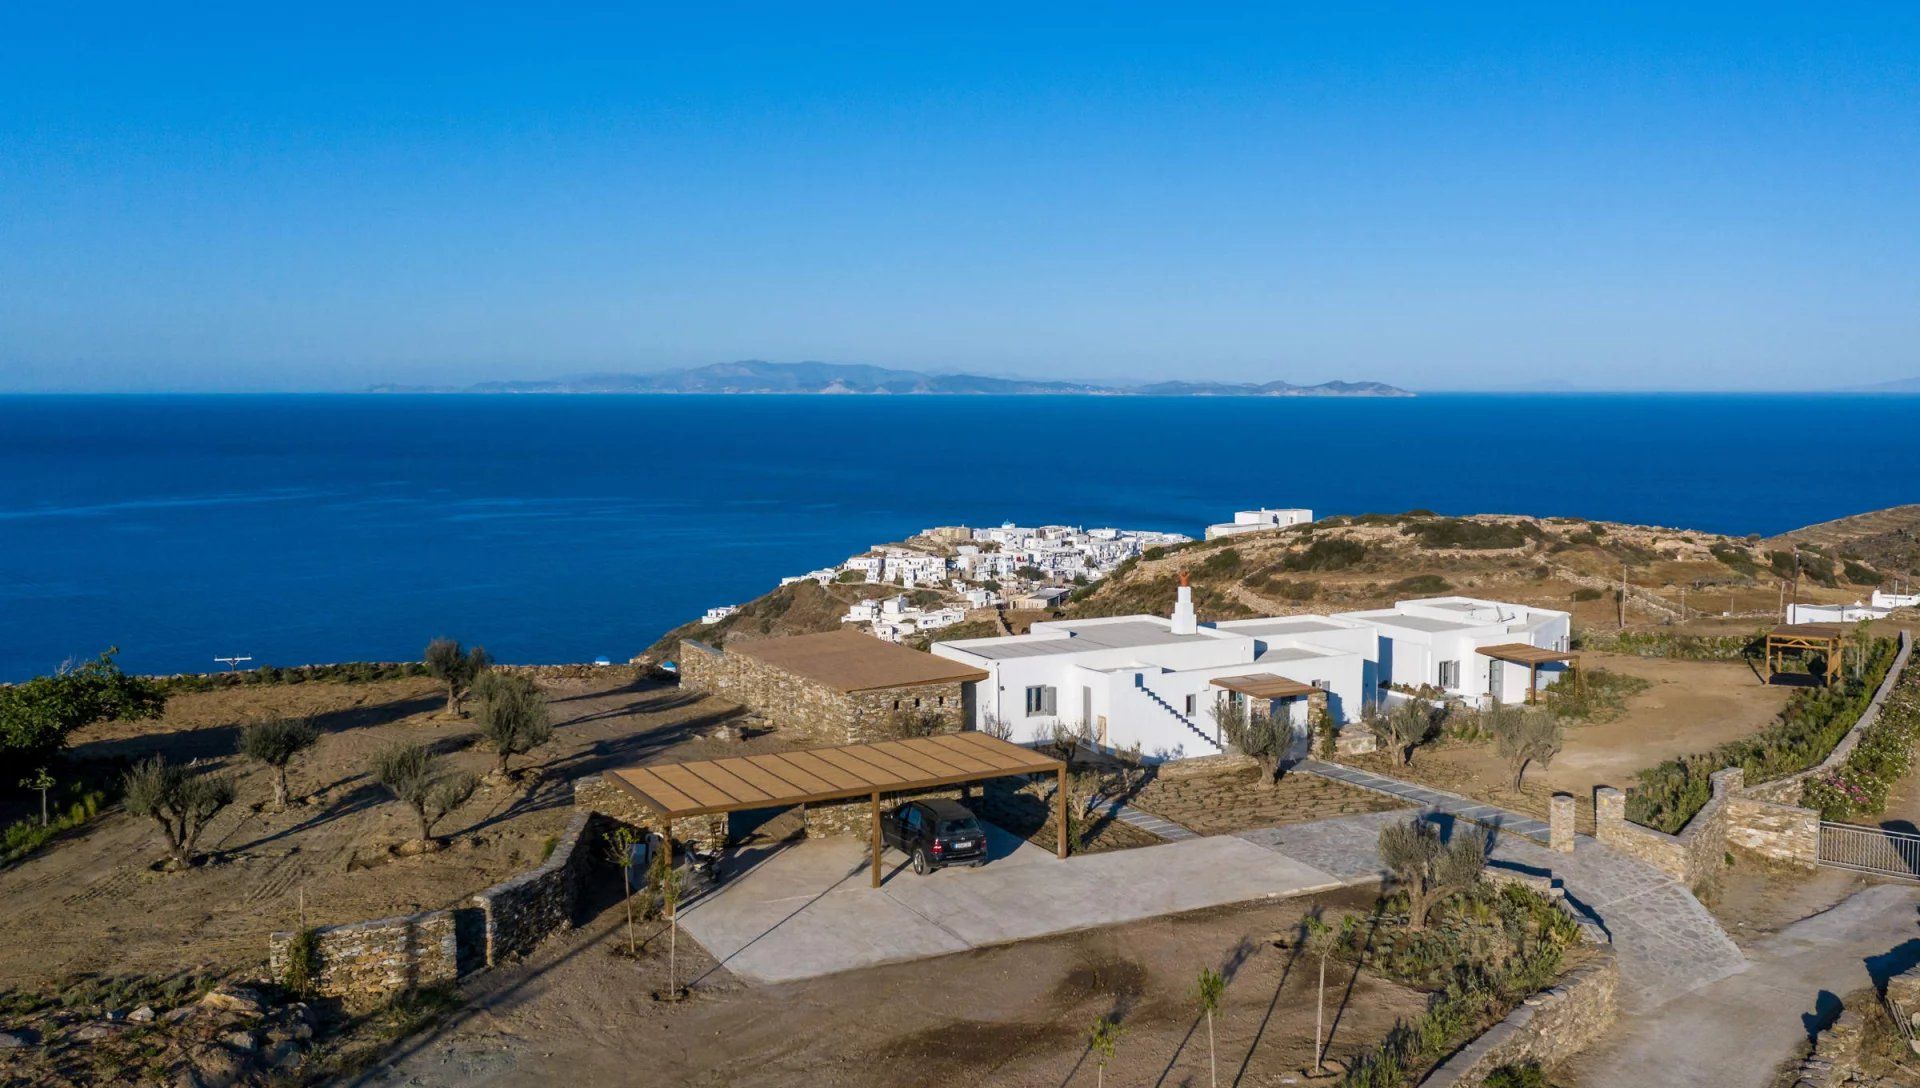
x=1430, y=799
x=1666, y=942
x=1159, y=826
x=1736, y=1033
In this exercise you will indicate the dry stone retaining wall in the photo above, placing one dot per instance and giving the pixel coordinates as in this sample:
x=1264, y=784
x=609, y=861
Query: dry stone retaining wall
x=594, y=793
x=520, y=912
x=1550, y=1026
x=367, y=963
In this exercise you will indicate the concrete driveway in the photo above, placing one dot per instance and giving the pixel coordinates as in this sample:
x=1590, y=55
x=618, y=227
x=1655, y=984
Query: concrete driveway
x=797, y=910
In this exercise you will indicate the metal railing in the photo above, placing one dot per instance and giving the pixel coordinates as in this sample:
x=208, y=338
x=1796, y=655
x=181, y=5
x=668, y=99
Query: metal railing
x=1870, y=850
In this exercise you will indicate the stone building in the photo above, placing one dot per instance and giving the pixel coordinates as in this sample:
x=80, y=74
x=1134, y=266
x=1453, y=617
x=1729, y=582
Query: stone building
x=840, y=687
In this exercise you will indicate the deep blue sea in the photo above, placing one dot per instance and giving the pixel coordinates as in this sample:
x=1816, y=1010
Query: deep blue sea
x=331, y=528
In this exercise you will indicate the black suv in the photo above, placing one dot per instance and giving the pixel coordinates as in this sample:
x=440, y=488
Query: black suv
x=935, y=834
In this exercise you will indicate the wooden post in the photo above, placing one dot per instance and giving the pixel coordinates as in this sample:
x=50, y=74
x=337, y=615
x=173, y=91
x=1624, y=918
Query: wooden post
x=876, y=839
x=1060, y=798
x=1533, y=682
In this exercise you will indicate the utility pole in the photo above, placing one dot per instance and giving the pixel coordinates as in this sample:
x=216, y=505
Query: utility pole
x=1623, y=596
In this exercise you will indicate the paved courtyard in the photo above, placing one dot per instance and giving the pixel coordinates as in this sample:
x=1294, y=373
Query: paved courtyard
x=798, y=910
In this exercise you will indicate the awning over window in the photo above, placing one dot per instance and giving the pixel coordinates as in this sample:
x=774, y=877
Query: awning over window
x=1519, y=653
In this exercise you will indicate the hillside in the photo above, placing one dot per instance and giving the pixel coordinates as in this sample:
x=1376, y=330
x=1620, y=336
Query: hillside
x=1886, y=540
x=1370, y=560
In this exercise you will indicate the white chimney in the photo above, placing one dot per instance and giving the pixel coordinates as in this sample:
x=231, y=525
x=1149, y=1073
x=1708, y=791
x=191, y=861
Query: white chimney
x=1184, y=622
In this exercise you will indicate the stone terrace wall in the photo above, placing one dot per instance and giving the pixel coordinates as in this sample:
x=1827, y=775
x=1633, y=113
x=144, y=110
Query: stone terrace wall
x=813, y=712
x=1687, y=857
x=855, y=817
x=521, y=912
x=1774, y=831
x=1550, y=1026
x=366, y=963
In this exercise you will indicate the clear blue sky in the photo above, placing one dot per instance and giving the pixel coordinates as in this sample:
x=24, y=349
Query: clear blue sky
x=318, y=197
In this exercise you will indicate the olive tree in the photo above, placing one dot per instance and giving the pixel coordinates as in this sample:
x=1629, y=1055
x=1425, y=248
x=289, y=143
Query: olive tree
x=1252, y=728
x=1523, y=737
x=1403, y=728
x=421, y=780
x=36, y=716
x=180, y=799
x=274, y=744
x=513, y=716
x=455, y=667
x=1427, y=869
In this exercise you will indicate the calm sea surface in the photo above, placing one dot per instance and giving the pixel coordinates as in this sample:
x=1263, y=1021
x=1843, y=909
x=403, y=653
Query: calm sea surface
x=316, y=528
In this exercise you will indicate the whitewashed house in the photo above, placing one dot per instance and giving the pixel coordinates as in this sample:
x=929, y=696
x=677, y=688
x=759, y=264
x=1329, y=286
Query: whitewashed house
x=1891, y=601
x=1253, y=521
x=1836, y=613
x=871, y=567
x=715, y=615
x=1468, y=647
x=1154, y=681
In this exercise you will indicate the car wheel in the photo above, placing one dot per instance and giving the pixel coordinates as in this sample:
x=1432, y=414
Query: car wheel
x=920, y=864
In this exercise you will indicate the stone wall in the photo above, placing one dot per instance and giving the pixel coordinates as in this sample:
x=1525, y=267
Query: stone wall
x=367, y=963
x=811, y=711
x=1697, y=851
x=594, y=793
x=855, y=816
x=519, y=913
x=1550, y=1026
x=1774, y=831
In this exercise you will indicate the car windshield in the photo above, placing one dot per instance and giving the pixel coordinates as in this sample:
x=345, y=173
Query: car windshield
x=962, y=826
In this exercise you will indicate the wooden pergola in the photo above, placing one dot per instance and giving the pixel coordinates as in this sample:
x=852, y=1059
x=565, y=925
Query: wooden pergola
x=707, y=787
x=1802, y=639
x=1521, y=653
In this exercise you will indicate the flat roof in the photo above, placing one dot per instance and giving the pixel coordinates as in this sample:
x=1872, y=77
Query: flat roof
x=707, y=786
x=1079, y=638
x=1519, y=653
x=849, y=661
x=1430, y=624
x=1284, y=625
x=1265, y=685
x=1294, y=653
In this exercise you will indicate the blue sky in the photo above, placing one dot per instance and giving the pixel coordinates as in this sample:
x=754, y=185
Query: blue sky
x=246, y=197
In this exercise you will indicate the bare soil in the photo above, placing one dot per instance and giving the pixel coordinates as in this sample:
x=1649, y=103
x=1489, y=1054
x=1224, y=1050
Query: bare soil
x=91, y=901
x=578, y=1013
x=1690, y=706
x=1238, y=800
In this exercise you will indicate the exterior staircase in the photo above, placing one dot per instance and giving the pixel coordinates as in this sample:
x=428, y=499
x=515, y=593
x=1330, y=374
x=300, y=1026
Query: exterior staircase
x=1208, y=746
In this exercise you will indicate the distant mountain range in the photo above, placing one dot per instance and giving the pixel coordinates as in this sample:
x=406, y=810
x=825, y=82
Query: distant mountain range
x=1901, y=385
x=755, y=376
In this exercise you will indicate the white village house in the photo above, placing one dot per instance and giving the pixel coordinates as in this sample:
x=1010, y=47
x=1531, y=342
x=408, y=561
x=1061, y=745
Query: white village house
x=1253, y=521
x=1156, y=681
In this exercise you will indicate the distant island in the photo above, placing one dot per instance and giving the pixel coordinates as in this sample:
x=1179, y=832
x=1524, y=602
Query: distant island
x=755, y=376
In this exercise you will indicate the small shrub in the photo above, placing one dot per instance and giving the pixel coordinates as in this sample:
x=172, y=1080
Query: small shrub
x=1220, y=564
x=1860, y=574
x=1517, y=1076
x=1420, y=585
x=1462, y=533
x=302, y=975
x=1588, y=593
x=1737, y=559
x=1326, y=554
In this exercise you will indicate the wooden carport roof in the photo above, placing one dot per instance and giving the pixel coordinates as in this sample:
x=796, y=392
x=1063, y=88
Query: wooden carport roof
x=1519, y=653
x=1265, y=685
x=781, y=780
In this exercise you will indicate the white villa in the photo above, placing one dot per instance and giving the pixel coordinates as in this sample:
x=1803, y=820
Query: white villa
x=1253, y=521
x=1156, y=681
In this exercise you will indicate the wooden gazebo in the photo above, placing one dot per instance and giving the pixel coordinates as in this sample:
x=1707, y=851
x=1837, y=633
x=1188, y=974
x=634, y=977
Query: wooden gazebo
x=1802, y=639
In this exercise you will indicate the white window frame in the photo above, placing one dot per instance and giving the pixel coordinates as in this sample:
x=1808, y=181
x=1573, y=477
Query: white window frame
x=1448, y=674
x=1043, y=701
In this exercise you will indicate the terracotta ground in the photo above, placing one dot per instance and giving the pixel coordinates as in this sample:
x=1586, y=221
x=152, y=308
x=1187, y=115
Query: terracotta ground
x=1691, y=706
x=1014, y=1016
